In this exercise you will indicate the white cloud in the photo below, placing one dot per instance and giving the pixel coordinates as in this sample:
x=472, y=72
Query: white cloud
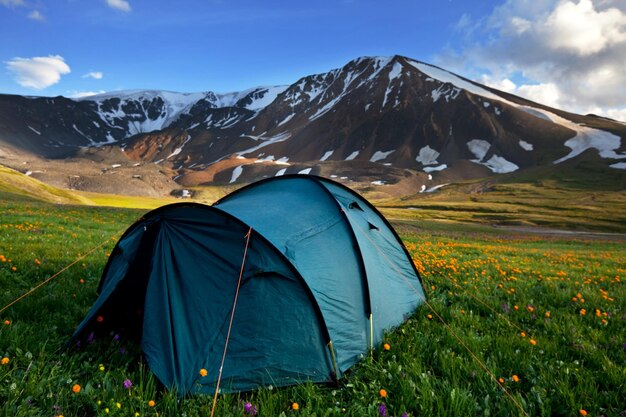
x=38, y=72
x=36, y=15
x=568, y=54
x=122, y=5
x=96, y=75
x=9, y=3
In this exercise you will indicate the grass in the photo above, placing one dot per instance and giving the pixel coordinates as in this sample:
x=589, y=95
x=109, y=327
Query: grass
x=487, y=286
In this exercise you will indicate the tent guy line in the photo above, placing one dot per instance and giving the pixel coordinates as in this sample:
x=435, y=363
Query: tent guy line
x=232, y=316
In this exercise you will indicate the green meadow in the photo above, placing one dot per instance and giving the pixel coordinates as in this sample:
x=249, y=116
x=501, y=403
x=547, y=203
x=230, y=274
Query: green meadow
x=516, y=324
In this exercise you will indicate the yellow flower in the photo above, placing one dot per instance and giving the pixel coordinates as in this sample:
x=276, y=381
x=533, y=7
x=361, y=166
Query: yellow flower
x=151, y=403
x=383, y=393
x=515, y=378
x=76, y=388
x=118, y=405
x=101, y=367
x=386, y=346
x=295, y=406
x=4, y=361
x=203, y=372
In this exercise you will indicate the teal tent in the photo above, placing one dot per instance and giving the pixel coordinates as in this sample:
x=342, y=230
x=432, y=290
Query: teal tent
x=323, y=276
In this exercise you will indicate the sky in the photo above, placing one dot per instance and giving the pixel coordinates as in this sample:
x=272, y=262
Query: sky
x=569, y=54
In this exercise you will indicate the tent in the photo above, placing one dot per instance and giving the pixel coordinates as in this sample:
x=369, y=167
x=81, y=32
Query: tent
x=323, y=276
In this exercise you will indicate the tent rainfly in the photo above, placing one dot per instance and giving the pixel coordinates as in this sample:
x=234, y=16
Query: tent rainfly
x=323, y=276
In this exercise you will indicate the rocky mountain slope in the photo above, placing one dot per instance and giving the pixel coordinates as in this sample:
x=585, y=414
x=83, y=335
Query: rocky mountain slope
x=380, y=121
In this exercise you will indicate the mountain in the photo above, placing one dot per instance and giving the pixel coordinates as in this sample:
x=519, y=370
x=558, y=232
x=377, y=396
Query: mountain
x=377, y=121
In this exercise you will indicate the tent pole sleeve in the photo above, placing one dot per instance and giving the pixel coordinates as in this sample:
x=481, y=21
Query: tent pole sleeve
x=371, y=334
x=334, y=359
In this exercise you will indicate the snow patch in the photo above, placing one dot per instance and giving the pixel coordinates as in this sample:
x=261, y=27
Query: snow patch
x=500, y=165
x=352, y=155
x=434, y=169
x=619, y=165
x=479, y=148
x=380, y=155
x=526, y=146
x=427, y=156
x=378, y=182
x=236, y=173
x=326, y=155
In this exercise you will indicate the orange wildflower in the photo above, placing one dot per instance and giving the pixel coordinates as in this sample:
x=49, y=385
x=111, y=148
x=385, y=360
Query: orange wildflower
x=515, y=378
x=582, y=412
x=583, y=312
x=386, y=346
x=203, y=372
x=523, y=334
x=383, y=393
x=151, y=403
x=7, y=322
x=533, y=342
x=76, y=388
x=295, y=406
x=547, y=314
x=4, y=361
x=501, y=380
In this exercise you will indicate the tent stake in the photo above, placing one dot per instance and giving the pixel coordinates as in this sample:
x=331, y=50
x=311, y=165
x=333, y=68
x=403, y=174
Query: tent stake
x=332, y=355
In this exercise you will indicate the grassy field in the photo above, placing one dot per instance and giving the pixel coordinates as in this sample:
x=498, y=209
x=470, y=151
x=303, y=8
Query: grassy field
x=545, y=316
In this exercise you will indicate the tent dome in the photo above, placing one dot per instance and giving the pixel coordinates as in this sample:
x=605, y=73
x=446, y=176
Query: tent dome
x=323, y=276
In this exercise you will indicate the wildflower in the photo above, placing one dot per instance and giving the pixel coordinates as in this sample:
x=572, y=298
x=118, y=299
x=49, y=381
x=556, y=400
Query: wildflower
x=7, y=322
x=4, y=361
x=382, y=409
x=203, y=372
x=583, y=312
x=515, y=378
x=118, y=405
x=515, y=307
x=523, y=334
x=76, y=388
x=533, y=342
x=82, y=281
x=295, y=406
x=429, y=317
x=530, y=308
x=383, y=393
x=582, y=412
x=249, y=409
x=386, y=346
x=100, y=319
x=404, y=414
x=547, y=314
x=101, y=367
x=106, y=410
x=151, y=403
x=127, y=383
x=91, y=338
x=501, y=380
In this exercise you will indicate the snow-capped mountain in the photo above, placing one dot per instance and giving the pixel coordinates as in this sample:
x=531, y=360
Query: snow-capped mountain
x=376, y=118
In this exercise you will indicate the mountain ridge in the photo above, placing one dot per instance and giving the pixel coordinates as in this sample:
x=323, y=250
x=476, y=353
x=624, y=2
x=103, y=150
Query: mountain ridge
x=401, y=118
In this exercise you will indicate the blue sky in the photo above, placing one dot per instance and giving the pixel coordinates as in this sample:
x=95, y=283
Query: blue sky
x=533, y=48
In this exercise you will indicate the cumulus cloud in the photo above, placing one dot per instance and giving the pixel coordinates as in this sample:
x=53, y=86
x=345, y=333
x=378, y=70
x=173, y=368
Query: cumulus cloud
x=569, y=53
x=122, y=5
x=96, y=75
x=36, y=15
x=38, y=72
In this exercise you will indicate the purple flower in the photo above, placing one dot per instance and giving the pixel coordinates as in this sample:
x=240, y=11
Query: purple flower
x=382, y=409
x=127, y=383
x=505, y=308
x=116, y=337
x=249, y=409
x=624, y=345
x=91, y=337
x=404, y=414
